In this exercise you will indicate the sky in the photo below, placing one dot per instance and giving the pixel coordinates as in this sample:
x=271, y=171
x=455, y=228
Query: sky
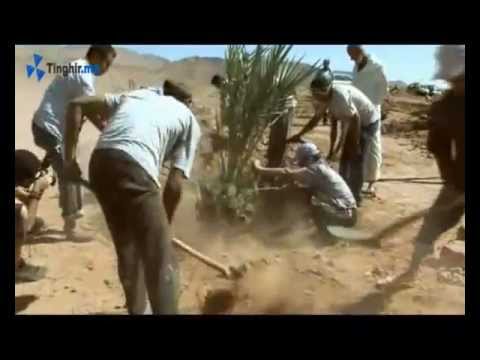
x=409, y=63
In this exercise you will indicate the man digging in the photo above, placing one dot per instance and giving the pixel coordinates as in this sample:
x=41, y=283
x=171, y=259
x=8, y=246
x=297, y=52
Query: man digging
x=143, y=131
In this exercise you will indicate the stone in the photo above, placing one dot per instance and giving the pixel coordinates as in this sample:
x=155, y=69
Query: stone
x=453, y=254
x=452, y=276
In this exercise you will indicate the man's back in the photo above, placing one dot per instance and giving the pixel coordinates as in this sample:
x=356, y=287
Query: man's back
x=150, y=128
x=347, y=99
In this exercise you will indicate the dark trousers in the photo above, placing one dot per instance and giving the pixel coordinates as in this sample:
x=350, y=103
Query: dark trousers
x=133, y=207
x=323, y=217
x=70, y=193
x=351, y=167
x=440, y=219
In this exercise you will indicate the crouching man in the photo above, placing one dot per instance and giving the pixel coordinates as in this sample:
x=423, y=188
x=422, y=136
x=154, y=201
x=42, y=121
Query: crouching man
x=144, y=130
x=332, y=199
x=30, y=185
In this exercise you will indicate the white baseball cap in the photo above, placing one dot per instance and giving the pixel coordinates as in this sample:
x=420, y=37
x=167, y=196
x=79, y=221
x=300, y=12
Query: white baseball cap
x=306, y=151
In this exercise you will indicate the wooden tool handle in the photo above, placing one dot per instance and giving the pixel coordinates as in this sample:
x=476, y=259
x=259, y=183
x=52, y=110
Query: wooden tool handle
x=203, y=258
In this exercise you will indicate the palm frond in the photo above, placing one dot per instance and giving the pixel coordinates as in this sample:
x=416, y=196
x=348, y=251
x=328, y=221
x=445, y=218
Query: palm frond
x=257, y=84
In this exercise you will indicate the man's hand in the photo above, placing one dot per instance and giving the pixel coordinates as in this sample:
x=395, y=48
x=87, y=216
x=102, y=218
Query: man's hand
x=100, y=122
x=331, y=157
x=172, y=192
x=72, y=171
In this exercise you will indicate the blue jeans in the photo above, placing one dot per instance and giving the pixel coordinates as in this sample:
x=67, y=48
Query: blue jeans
x=70, y=193
x=351, y=168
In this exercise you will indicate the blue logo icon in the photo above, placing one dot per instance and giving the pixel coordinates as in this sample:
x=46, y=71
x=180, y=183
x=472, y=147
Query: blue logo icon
x=95, y=69
x=37, y=59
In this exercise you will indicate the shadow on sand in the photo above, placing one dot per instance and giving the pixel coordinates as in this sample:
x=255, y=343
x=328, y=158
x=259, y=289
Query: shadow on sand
x=23, y=301
x=372, y=303
x=50, y=236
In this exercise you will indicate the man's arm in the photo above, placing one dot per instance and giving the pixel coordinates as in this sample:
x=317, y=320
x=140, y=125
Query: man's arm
x=34, y=196
x=344, y=127
x=92, y=107
x=352, y=127
x=283, y=172
x=22, y=194
x=333, y=137
x=382, y=84
x=309, y=126
x=173, y=192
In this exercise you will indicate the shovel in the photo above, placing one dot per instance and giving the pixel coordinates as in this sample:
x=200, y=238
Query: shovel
x=227, y=271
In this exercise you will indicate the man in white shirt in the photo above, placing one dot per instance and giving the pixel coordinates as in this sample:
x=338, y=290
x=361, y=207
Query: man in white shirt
x=369, y=77
x=359, y=121
x=48, y=125
x=143, y=131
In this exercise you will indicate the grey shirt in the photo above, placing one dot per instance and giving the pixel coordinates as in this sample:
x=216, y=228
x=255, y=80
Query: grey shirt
x=347, y=101
x=321, y=179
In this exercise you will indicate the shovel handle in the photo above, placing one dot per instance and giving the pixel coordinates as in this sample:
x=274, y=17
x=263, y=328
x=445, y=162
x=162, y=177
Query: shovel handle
x=203, y=258
x=196, y=254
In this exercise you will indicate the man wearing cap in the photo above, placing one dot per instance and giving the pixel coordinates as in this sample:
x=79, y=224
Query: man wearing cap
x=359, y=120
x=143, y=131
x=369, y=77
x=330, y=195
x=446, y=140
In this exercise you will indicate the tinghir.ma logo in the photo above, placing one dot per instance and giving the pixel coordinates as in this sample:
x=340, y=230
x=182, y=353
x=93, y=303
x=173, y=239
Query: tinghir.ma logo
x=37, y=59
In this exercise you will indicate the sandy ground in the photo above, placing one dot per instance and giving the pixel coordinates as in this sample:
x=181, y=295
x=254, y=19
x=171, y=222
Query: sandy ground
x=292, y=269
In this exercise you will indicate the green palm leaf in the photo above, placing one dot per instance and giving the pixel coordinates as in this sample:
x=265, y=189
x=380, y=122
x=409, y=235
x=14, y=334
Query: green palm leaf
x=258, y=82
